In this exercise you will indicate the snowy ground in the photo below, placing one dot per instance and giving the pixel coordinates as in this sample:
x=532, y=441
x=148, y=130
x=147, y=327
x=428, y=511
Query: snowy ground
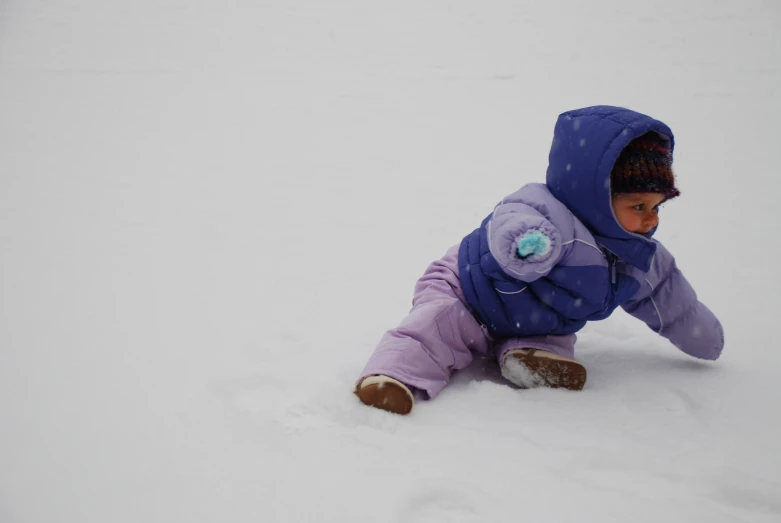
x=210, y=211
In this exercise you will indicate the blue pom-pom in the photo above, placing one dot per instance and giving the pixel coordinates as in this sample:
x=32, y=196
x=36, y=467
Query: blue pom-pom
x=533, y=242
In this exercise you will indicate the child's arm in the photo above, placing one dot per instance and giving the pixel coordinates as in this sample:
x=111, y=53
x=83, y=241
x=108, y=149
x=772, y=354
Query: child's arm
x=669, y=305
x=522, y=240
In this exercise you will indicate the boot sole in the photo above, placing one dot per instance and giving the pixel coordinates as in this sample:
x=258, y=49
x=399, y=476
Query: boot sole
x=386, y=394
x=544, y=370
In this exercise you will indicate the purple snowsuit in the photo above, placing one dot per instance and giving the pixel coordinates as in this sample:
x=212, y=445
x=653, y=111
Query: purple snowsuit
x=482, y=297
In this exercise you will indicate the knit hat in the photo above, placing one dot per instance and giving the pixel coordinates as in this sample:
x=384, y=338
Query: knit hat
x=645, y=165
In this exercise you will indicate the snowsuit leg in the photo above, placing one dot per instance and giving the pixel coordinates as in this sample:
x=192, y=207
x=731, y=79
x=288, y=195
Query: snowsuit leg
x=436, y=338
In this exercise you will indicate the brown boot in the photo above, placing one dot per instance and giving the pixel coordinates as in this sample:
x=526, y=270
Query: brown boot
x=385, y=393
x=530, y=368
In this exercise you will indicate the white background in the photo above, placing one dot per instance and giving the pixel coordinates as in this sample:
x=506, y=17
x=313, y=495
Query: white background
x=211, y=210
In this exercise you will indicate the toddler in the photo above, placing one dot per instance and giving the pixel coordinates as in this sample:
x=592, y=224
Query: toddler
x=549, y=258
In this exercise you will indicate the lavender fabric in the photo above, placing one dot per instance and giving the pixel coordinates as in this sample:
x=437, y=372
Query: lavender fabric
x=668, y=304
x=485, y=297
x=440, y=335
x=555, y=292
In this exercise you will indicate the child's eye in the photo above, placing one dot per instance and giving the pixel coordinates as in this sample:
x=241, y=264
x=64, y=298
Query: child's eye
x=639, y=207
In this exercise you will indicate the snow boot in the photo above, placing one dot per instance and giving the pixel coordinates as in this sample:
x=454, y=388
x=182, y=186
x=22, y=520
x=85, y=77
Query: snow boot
x=385, y=393
x=529, y=368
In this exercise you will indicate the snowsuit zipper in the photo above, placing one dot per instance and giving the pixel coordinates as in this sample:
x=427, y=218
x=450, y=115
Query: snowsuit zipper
x=611, y=261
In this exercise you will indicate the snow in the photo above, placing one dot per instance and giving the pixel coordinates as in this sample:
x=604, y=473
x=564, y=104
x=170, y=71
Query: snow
x=210, y=211
x=519, y=374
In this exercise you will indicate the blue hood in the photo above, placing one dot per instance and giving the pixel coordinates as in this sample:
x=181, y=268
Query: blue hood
x=586, y=145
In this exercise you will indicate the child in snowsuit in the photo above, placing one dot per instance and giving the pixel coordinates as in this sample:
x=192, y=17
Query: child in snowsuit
x=549, y=258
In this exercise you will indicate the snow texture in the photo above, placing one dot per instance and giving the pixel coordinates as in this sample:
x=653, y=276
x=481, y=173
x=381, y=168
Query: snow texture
x=196, y=204
x=516, y=372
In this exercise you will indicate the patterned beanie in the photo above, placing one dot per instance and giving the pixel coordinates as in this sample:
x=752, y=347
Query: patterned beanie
x=645, y=165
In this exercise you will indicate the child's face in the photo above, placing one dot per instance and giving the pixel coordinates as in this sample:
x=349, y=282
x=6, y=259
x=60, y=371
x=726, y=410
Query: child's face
x=638, y=212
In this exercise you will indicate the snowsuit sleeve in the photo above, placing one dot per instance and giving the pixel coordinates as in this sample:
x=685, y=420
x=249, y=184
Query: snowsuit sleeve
x=522, y=240
x=669, y=305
